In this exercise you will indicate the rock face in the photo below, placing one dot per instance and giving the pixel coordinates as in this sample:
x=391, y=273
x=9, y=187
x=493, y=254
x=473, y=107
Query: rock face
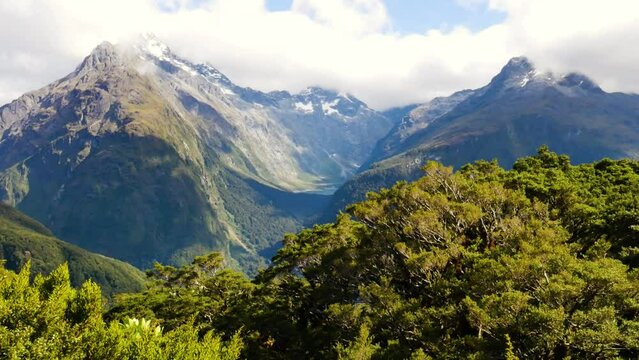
x=142, y=155
x=312, y=141
x=518, y=111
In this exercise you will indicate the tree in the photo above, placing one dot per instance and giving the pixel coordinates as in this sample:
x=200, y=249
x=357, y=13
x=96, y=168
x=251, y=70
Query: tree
x=48, y=319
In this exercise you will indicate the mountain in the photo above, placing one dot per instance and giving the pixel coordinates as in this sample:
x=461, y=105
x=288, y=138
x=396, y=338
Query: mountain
x=517, y=112
x=22, y=239
x=142, y=155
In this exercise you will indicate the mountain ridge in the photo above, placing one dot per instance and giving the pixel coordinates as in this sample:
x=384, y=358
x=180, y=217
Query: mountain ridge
x=519, y=110
x=132, y=155
x=143, y=155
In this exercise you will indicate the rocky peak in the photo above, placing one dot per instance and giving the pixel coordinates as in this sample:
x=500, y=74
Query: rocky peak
x=328, y=101
x=518, y=72
x=103, y=57
x=150, y=48
x=576, y=80
x=316, y=91
x=517, y=66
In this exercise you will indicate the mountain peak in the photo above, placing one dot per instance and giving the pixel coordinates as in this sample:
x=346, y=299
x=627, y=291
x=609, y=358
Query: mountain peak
x=318, y=91
x=103, y=56
x=104, y=47
x=149, y=44
x=572, y=80
x=518, y=71
x=521, y=63
x=328, y=102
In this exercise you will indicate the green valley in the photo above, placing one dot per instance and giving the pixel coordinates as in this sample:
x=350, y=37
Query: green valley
x=537, y=262
x=24, y=240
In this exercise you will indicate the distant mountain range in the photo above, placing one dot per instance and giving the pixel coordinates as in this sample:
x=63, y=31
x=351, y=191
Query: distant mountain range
x=517, y=112
x=142, y=155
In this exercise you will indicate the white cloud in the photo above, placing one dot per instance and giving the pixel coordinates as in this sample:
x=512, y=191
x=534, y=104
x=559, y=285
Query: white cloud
x=594, y=37
x=350, y=16
x=342, y=44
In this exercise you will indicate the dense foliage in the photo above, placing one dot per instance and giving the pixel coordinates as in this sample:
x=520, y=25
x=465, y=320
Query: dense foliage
x=262, y=214
x=538, y=262
x=49, y=319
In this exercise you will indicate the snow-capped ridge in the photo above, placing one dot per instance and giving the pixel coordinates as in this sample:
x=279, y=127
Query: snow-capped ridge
x=148, y=53
x=151, y=45
x=329, y=102
x=521, y=73
x=149, y=48
x=579, y=80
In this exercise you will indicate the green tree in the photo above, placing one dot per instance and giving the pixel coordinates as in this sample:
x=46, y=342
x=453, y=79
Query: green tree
x=48, y=319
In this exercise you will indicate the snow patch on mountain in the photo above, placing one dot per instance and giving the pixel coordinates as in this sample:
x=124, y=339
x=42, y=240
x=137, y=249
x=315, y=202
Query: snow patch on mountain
x=310, y=141
x=306, y=108
x=329, y=107
x=153, y=46
x=528, y=77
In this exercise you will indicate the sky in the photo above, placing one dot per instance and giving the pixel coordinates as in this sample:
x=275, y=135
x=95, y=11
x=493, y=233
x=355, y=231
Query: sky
x=386, y=52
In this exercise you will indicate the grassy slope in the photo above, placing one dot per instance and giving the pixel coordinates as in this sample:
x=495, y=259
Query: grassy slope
x=23, y=238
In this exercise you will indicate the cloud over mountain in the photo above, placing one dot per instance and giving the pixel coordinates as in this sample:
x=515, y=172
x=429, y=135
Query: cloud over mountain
x=347, y=45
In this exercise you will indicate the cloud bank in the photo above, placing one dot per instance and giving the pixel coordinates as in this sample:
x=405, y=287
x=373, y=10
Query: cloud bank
x=347, y=45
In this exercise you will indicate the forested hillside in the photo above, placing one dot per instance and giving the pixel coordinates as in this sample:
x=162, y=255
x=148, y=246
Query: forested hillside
x=537, y=262
x=23, y=240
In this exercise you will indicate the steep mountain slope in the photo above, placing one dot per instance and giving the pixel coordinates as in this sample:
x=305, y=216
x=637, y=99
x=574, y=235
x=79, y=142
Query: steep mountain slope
x=311, y=141
x=142, y=155
x=22, y=239
x=518, y=111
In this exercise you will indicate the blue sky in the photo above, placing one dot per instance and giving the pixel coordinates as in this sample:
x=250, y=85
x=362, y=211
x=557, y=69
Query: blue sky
x=419, y=16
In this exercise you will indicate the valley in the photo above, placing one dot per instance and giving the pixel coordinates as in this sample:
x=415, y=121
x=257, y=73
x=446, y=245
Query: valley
x=142, y=155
